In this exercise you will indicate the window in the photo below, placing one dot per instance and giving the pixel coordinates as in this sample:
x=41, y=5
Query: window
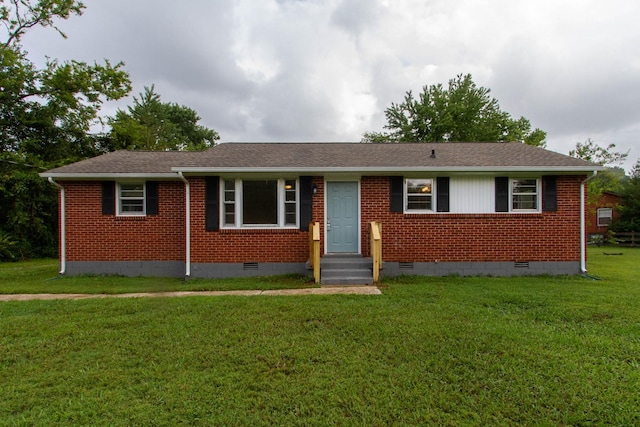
x=229, y=203
x=290, y=202
x=524, y=194
x=131, y=199
x=419, y=195
x=259, y=203
x=605, y=216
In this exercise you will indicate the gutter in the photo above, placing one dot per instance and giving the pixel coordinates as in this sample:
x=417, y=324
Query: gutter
x=63, y=227
x=569, y=170
x=187, y=191
x=583, y=237
x=84, y=176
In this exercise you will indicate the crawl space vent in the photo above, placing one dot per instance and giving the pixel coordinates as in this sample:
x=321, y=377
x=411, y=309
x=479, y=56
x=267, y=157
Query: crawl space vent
x=405, y=266
x=521, y=264
x=250, y=266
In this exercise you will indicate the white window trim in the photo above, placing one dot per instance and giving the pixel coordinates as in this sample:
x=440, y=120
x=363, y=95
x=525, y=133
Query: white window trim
x=609, y=216
x=405, y=198
x=238, y=205
x=119, y=199
x=538, y=196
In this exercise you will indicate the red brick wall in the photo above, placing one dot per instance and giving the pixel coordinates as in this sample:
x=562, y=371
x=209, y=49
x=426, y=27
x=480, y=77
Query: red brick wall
x=606, y=200
x=547, y=236
x=92, y=236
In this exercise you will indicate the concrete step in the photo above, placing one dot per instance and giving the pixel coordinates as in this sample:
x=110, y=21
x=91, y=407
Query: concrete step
x=345, y=262
x=348, y=272
x=346, y=281
x=346, y=269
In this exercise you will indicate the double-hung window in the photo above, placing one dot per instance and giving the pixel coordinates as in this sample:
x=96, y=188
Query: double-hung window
x=418, y=195
x=605, y=215
x=259, y=203
x=131, y=199
x=524, y=194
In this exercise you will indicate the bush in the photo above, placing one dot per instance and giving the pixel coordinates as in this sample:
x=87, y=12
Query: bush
x=7, y=247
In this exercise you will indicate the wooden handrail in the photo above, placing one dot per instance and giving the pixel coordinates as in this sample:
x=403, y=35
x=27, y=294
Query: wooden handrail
x=314, y=250
x=376, y=248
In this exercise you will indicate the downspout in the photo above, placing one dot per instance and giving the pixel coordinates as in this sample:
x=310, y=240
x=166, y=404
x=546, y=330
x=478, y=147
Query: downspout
x=187, y=190
x=63, y=226
x=583, y=238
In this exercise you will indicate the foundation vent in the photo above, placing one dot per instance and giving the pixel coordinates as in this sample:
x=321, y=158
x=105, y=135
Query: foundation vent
x=405, y=266
x=250, y=266
x=521, y=264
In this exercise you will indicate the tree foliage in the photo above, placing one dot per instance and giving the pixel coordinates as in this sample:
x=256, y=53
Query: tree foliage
x=630, y=209
x=612, y=179
x=47, y=113
x=151, y=124
x=461, y=112
x=45, y=117
x=593, y=152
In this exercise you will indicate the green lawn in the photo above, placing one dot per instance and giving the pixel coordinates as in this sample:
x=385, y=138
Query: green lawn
x=41, y=276
x=429, y=351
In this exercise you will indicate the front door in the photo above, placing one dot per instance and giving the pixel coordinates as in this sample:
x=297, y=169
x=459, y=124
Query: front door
x=342, y=217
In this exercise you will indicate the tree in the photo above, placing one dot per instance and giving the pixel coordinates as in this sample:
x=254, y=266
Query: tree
x=630, y=209
x=592, y=152
x=460, y=112
x=612, y=179
x=48, y=112
x=45, y=117
x=151, y=124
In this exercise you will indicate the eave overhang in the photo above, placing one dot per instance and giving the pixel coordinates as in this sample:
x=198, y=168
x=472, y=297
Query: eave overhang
x=111, y=176
x=196, y=171
x=390, y=170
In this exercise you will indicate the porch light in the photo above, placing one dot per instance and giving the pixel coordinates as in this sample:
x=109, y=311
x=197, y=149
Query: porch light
x=314, y=189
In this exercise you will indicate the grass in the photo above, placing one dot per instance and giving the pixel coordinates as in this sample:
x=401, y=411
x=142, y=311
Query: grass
x=429, y=351
x=41, y=276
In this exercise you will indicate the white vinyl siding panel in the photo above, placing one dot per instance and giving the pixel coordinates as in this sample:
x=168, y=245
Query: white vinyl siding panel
x=472, y=194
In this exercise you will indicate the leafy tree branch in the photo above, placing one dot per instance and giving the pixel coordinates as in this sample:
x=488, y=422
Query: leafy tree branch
x=462, y=111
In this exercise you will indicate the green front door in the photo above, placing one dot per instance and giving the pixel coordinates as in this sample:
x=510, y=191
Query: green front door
x=342, y=217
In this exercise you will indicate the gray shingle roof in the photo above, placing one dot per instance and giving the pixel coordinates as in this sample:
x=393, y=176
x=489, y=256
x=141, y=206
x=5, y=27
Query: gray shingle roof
x=127, y=162
x=300, y=157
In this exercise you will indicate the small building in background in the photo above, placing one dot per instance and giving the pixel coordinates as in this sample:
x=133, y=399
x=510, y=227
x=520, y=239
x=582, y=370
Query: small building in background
x=601, y=214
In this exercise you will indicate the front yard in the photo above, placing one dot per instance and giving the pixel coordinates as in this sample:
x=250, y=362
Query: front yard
x=429, y=351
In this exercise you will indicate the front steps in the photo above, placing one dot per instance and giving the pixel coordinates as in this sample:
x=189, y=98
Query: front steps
x=346, y=269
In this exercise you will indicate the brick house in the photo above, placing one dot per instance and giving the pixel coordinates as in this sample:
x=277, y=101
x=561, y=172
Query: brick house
x=601, y=213
x=242, y=209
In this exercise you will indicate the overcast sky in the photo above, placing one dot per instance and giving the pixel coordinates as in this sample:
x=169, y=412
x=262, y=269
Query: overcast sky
x=326, y=70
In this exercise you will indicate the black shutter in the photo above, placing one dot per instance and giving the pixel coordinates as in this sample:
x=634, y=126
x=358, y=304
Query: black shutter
x=397, y=190
x=152, y=197
x=211, y=211
x=549, y=193
x=442, y=195
x=306, y=202
x=502, y=194
x=108, y=198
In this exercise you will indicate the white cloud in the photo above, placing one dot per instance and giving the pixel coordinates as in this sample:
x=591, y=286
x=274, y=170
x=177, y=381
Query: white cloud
x=327, y=69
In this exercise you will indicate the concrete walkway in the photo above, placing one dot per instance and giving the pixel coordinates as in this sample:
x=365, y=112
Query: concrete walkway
x=331, y=290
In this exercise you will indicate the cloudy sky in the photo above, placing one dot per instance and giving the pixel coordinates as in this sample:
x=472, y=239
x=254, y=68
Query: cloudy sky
x=325, y=70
